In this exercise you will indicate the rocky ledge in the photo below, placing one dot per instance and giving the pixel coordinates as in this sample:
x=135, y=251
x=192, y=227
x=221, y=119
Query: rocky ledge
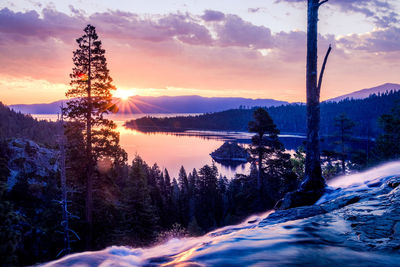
x=364, y=216
x=27, y=158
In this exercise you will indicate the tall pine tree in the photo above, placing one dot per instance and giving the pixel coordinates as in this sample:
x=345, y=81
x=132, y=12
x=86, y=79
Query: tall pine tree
x=90, y=99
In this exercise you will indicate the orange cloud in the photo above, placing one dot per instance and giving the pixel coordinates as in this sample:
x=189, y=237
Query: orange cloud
x=211, y=55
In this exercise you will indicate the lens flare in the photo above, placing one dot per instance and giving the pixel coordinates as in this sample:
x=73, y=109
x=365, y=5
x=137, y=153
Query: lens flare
x=123, y=94
x=83, y=76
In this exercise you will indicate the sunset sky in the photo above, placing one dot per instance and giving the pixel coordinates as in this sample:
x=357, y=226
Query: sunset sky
x=252, y=48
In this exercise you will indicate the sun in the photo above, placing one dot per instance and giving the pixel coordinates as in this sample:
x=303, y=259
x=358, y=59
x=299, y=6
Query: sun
x=123, y=94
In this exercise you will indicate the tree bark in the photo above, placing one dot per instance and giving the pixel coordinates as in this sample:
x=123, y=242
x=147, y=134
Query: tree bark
x=313, y=175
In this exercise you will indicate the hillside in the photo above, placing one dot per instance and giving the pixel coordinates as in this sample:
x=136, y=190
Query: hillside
x=288, y=118
x=364, y=93
x=17, y=125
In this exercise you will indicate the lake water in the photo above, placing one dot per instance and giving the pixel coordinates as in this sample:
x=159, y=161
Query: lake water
x=190, y=149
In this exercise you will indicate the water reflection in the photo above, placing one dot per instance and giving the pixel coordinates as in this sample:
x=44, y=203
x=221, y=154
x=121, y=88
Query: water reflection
x=190, y=149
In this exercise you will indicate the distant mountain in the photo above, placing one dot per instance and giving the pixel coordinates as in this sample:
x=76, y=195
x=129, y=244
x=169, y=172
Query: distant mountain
x=289, y=119
x=364, y=93
x=164, y=104
x=45, y=108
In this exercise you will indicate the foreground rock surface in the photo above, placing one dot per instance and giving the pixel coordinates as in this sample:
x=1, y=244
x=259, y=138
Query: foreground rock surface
x=356, y=225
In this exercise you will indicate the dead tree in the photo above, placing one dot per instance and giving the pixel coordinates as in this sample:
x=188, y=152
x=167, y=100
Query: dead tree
x=313, y=174
x=64, y=197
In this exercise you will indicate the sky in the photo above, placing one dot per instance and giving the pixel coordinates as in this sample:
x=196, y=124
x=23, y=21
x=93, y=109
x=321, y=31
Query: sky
x=228, y=48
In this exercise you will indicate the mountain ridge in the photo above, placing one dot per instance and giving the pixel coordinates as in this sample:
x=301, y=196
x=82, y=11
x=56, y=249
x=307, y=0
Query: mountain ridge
x=364, y=93
x=195, y=103
x=163, y=104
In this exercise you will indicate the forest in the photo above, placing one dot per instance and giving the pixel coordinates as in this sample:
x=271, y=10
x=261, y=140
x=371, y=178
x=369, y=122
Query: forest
x=289, y=118
x=139, y=204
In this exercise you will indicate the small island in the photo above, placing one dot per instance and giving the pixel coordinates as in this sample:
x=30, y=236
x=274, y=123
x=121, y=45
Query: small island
x=230, y=152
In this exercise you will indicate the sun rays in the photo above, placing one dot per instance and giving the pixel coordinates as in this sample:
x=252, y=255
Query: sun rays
x=124, y=94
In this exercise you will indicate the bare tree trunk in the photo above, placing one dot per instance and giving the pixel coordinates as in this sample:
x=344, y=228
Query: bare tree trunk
x=259, y=181
x=89, y=181
x=313, y=174
x=67, y=248
x=342, y=146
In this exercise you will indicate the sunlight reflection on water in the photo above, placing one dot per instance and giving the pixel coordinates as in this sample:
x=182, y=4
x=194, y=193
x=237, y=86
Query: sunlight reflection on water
x=190, y=149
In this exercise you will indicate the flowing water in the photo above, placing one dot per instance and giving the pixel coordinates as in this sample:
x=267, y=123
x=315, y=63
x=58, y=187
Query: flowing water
x=317, y=242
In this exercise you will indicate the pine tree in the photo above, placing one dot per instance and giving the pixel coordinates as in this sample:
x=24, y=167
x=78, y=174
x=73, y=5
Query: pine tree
x=206, y=199
x=275, y=176
x=183, y=180
x=265, y=141
x=388, y=143
x=139, y=218
x=183, y=196
x=344, y=128
x=90, y=99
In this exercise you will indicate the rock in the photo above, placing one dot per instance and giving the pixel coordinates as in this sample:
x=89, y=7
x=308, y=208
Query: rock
x=27, y=158
x=298, y=199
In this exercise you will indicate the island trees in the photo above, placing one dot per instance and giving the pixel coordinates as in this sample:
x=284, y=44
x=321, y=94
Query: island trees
x=313, y=177
x=90, y=99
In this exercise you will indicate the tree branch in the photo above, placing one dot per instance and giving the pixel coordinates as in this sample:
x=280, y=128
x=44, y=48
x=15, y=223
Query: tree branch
x=323, y=2
x=323, y=68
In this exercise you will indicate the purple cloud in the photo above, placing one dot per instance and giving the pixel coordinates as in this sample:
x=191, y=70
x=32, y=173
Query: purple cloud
x=380, y=11
x=237, y=32
x=213, y=15
x=254, y=10
x=36, y=45
x=383, y=40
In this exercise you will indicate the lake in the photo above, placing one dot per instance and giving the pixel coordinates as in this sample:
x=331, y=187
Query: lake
x=190, y=149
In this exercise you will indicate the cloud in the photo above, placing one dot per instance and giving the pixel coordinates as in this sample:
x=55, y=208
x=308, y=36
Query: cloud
x=212, y=15
x=377, y=41
x=254, y=9
x=237, y=32
x=213, y=52
x=381, y=11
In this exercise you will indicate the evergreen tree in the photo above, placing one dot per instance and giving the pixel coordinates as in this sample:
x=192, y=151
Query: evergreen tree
x=388, y=143
x=275, y=176
x=183, y=180
x=90, y=99
x=193, y=182
x=344, y=132
x=298, y=162
x=139, y=217
x=184, y=197
x=265, y=141
x=207, y=195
